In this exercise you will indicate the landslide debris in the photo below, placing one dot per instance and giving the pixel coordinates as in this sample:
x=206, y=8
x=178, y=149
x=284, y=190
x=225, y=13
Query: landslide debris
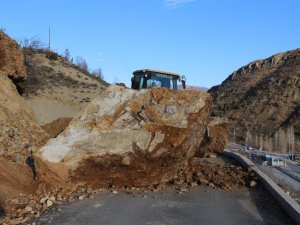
x=129, y=138
x=262, y=96
x=123, y=140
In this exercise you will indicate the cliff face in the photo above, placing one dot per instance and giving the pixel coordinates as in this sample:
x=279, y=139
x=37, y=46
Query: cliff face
x=262, y=96
x=11, y=59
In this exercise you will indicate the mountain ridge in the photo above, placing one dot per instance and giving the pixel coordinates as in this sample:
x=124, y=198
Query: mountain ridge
x=263, y=96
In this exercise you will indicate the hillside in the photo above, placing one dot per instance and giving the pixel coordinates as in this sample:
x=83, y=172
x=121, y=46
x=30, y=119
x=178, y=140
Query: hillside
x=262, y=96
x=193, y=88
x=55, y=87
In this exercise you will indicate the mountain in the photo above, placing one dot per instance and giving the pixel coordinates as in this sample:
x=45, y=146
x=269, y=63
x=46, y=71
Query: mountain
x=192, y=88
x=261, y=97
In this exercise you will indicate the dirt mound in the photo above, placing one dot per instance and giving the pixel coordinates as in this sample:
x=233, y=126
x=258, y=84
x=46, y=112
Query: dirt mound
x=11, y=58
x=56, y=127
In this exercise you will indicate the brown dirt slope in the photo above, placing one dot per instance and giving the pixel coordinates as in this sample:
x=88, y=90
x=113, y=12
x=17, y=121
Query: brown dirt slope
x=11, y=58
x=56, y=88
x=18, y=133
x=56, y=127
x=262, y=96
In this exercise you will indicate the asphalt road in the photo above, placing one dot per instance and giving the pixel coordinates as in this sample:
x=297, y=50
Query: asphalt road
x=199, y=206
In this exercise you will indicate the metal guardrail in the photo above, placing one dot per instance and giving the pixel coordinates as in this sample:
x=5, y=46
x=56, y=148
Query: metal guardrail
x=288, y=173
x=287, y=203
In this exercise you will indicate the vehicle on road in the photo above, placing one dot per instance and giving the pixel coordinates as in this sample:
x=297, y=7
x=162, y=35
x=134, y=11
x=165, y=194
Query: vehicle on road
x=148, y=78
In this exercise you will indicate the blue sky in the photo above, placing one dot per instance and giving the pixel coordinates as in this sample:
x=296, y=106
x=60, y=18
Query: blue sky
x=206, y=40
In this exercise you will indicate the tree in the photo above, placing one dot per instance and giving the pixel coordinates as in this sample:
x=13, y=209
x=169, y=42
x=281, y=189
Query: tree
x=82, y=64
x=98, y=73
x=33, y=43
x=291, y=139
x=282, y=141
x=67, y=55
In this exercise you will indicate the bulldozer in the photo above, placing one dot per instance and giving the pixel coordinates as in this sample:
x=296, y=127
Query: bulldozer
x=148, y=78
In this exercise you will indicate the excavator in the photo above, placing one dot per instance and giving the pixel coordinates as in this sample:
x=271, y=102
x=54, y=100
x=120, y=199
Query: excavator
x=148, y=78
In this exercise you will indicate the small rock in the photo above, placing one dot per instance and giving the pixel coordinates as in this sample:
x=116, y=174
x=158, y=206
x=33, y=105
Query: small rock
x=52, y=198
x=49, y=203
x=253, y=183
x=42, y=200
x=71, y=199
x=80, y=197
x=194, y=184
x=114, y=192
x=203, y=181
x=32, y=149
x=28, y=209
x=212, y=156
x=212, y=185
x=14, y=201
x=183, y=189
x=126, y=161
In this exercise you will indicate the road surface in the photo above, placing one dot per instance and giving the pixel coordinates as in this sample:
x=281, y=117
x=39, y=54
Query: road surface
x=198, y=206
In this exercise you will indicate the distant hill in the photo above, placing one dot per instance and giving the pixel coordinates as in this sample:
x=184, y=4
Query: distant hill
x=194, y=88
x=263, y=96
x=55, y=87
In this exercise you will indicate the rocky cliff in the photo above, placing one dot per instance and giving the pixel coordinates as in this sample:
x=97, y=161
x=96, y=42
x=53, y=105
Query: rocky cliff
x=11, y=58
x=262, y=96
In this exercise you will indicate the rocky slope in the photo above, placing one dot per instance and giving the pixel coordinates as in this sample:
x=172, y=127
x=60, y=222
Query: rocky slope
x=262, y=96
x=19, y=134
x=55, y=87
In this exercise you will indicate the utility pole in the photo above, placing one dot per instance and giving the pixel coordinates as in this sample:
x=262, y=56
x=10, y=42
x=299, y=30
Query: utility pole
x=49, y=39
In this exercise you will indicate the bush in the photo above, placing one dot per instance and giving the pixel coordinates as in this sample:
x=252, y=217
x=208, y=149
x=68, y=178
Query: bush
x=51, y=55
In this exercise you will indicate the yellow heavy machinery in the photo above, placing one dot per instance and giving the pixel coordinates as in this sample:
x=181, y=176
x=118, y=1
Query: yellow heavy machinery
x=148, y=78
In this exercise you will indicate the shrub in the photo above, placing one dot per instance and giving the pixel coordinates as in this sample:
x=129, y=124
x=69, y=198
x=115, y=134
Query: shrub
x=51, y=55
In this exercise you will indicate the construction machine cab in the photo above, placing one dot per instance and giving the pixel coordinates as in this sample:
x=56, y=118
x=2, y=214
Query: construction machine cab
x=154, y=78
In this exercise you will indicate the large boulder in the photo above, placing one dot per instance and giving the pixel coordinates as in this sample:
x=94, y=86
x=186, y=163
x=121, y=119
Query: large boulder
x=128, y=138
x=11, y=58
x=215, y=137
